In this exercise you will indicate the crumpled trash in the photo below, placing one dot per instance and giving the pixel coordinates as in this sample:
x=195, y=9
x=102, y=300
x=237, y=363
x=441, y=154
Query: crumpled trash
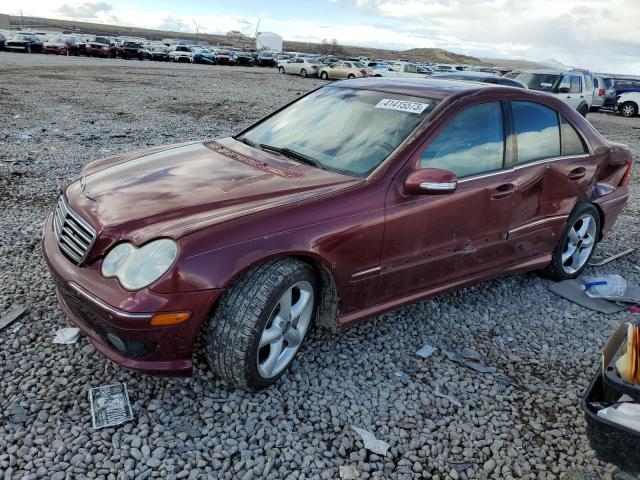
x=110, y=405
x=610, y=287
x=401, y=376
x=371, y=443
x=67, y=336
x=26, y=136
x=426, y=351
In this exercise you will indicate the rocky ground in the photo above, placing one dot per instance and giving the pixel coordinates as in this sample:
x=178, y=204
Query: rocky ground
x=440, y=418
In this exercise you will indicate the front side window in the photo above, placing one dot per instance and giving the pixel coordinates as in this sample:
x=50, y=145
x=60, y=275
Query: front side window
x=572, y=143
x=538, y=134
x=576, y=84
x=409, y=68
x=346, y=130
x=472, y=143
x=588, y=83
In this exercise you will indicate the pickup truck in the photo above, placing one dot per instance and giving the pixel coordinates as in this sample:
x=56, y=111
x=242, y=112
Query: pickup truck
x=399, y=69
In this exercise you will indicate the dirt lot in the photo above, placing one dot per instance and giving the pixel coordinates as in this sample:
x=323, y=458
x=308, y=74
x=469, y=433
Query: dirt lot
x=441, y=419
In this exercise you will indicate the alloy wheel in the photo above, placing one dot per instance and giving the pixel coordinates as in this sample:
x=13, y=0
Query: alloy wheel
x=628, y=110
x=579, y=244
x=284, y=331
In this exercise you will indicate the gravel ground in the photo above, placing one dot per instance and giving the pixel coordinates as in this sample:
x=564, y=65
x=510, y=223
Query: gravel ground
x=441, y=419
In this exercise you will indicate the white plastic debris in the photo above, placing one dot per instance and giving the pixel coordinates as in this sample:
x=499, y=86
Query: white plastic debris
x=605, y=286
x=26, y=136
x=426, y=351
x=67, y=336
x=401, y=376
x=371, y=443
x=626, y=414
x=110, y=405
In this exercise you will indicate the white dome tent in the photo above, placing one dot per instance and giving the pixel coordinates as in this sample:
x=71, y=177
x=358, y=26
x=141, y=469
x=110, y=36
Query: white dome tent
x=269, y=41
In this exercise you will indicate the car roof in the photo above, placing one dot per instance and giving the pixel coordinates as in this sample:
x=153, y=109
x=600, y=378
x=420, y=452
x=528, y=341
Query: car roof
x=436, y=89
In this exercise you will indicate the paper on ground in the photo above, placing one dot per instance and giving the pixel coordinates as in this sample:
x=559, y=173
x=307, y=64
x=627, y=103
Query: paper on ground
x=426, y=351
x=371, y=442
x=109, y=405
x=67, y=336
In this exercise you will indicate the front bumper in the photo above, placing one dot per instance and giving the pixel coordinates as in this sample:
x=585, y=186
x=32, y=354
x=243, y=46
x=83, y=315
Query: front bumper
x=117, y=321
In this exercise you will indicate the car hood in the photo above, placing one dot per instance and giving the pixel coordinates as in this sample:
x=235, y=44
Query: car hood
x=54, y=44
x=177, y=190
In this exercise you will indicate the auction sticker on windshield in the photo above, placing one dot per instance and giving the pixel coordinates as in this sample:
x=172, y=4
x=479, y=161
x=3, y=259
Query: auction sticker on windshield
x=402, y=105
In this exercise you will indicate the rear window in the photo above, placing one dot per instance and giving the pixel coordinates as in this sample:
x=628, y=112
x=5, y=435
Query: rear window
x=572, y=143
x=537, y=131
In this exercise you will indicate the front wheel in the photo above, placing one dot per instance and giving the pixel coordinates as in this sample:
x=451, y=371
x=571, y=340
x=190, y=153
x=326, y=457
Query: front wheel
x=351, y=76
x=583, y=110
x=629, y=109
x=303, y=73
x=281, y=69
x=324, y=76
x=577, y=243
x=260, y=323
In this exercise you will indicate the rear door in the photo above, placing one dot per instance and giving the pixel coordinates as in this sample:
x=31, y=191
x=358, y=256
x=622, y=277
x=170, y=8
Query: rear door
x=434, y=239
x=571, y=90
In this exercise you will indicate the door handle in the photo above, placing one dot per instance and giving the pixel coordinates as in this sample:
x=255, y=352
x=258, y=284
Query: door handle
x=503, y=191
x=577, y=173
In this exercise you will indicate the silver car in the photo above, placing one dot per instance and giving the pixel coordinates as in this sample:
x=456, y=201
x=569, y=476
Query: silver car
x=305, y=67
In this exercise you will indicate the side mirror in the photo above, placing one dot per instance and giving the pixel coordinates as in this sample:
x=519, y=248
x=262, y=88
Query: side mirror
x=563, y=90
x=431, y=181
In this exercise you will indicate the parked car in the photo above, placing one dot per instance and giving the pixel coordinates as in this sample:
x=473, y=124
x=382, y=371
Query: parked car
x=341, y=70
x=624, y=85
x=101, y=47
x=228, y=57
x=305, y=67
x=23, y=42
x=574, y=87
x=204, y=55
x=266, y=59
x=400, y=69
x=628, y=104
x=3, y=40
x=61, y=45
x=159, y=53
x=480, y=77
x=603, y=93
x=396, y=190
x=130, y=50
x=180, y=53
x=245, y=59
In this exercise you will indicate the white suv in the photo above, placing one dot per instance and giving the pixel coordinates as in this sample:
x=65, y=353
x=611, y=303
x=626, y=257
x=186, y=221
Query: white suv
x=574, y=87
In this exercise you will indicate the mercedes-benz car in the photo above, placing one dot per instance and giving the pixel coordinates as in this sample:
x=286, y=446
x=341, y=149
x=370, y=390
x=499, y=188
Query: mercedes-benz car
x=394, y=190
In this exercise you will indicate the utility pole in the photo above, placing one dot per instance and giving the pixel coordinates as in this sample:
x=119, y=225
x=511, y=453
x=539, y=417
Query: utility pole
x=21, y=25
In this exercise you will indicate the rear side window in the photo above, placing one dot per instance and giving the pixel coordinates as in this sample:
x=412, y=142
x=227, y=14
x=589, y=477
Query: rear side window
x=572, y=143
x=472, y=143
x=588, y=83
x=537, y=131
x=576, y=84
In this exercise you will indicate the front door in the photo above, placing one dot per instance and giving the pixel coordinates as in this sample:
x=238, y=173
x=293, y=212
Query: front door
x=431, y=240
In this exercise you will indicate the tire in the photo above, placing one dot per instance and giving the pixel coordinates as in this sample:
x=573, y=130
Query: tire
x=558, y=269
x=281, y=70
x=351, y=76
x=628, y=109
x=583, y=110
x=324, y=76
x=251, y=308
x=594, y=109
x=28, y=50
x=303, y=73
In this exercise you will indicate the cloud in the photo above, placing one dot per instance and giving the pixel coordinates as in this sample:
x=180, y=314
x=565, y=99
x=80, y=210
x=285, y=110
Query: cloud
x=86, y=10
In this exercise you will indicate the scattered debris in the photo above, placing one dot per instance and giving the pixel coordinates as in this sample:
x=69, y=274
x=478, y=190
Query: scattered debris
x=504, y=380
x=16, y=116
x=371, y=443
x=17, y=414
x=110, y=405
x=26, y=136
x=11, y=315
x=611, y=258
x=67, y=336
x=402, y=376
x=349, y=472
x=451, y=398
x=470, y=354
x=460, y=465
x=426, y=351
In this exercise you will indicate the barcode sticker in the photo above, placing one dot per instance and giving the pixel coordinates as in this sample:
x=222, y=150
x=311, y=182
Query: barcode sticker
x=402, y=105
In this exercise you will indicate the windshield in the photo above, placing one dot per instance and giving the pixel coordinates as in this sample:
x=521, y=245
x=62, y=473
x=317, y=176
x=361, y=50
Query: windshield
x=131, y=45
x=545, y=82
x=160, y=49
x=345, y=130
x=101, y=40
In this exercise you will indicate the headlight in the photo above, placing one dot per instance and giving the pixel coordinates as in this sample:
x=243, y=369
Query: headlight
x=136, y=268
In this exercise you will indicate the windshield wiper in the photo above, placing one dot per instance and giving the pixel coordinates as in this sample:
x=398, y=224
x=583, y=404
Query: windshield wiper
x=287, y=152
x=246, y=141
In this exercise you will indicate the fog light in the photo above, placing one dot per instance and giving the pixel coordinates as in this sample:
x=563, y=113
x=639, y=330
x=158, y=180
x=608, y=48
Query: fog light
x=116, y=342
x=173, y=318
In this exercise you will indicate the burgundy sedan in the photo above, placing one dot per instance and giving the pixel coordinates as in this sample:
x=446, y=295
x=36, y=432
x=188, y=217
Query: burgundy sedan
x=359, y=197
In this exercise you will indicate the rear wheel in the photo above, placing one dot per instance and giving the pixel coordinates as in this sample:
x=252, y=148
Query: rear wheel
x=583, y=110
x=324, y=76
x=260, y=323
x=577, y=243
x=281, y=69
x=351, y=75
x=629, y=109
x=303, y=73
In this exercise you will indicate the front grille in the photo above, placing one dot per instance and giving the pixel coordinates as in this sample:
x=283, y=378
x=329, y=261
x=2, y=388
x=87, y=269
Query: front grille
x=75, y=236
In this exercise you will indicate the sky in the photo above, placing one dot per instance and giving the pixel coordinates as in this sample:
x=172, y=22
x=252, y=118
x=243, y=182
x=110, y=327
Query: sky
x=601, y=35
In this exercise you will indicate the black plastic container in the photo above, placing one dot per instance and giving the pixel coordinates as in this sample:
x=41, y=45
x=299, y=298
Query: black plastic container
x=613, y=380
x=612, y=442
